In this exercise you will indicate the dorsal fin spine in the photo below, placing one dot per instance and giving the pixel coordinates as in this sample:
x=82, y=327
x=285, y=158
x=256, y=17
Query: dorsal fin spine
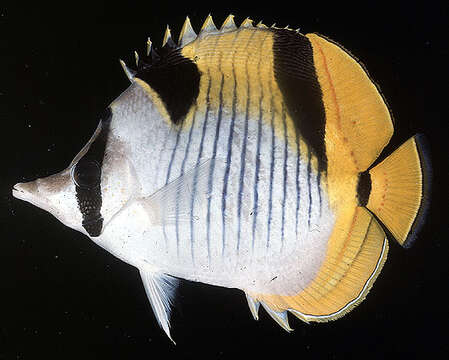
x=247, y=23
x=129, y=73
x=167, y=36
x=187, y=33
x=136, y=56
x=228, y=24
x=208, y=25
x=149, y=46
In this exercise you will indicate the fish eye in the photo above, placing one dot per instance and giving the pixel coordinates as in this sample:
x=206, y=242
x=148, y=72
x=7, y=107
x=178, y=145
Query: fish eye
x=86, y=173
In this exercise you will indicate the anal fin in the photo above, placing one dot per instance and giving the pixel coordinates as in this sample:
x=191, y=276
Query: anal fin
x=357, y=251
x=253, y=306
x=281, y=317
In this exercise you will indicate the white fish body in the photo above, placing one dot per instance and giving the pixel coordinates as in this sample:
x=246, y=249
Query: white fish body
x=173, y=247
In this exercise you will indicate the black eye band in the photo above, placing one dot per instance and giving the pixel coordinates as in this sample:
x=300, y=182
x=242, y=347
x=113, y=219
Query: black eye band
x=86, y=175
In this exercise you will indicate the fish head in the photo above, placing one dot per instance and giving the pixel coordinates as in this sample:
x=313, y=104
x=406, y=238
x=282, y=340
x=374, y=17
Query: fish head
x=97, y=184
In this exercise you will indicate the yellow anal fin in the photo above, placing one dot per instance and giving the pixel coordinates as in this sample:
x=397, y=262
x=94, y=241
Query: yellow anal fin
x=346, y=275
x=399, y=190
x=358, y=122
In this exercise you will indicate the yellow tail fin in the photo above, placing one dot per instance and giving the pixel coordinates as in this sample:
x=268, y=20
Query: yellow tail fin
x=400, y=189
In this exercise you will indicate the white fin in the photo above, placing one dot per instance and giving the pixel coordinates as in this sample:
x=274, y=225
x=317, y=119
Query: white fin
x=129, y=73
x=228, y=24
x=160, y=289
x=173, y=201
x=187, y=34
x=208, y=25
x=280, y=317
x=253, y=306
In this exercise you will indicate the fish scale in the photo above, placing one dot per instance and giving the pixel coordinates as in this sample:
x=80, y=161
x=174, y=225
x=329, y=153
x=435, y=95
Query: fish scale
x=243, y=157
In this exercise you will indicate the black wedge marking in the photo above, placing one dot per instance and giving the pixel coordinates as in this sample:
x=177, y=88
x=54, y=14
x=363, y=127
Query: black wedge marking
x=176, y=80
x=363, y=188
x=295, y=75
x=86, y=174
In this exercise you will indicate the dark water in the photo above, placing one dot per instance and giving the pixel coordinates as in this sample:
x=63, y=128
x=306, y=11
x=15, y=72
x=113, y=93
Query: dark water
x=62, y=297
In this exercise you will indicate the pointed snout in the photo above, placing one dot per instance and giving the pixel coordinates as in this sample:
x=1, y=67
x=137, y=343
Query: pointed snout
x=30, y=192
x=39, y=192
x=23, y=189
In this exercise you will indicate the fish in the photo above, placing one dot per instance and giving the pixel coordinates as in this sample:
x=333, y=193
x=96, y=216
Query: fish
x=246, y=157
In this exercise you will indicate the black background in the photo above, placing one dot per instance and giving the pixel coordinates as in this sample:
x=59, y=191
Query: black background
x=63, y=297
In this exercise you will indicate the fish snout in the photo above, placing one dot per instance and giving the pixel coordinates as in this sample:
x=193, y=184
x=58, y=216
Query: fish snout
x=25, y=190
x=32, y=192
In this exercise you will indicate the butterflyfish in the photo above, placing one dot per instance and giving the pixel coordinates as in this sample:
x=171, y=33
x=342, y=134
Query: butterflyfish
x=246, y=157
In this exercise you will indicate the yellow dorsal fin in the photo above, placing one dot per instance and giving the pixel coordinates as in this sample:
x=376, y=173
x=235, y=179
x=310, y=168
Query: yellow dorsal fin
x=355, y=110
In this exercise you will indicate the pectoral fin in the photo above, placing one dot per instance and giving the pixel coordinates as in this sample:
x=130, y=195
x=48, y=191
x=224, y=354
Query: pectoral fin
x=173, y=202
x=160, y=289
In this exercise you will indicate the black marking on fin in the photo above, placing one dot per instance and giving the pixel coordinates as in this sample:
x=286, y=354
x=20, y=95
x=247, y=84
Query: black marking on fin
x=295, y=74
x=423, y=149
x=89, y=197
x=363, y=188
x=176, y=80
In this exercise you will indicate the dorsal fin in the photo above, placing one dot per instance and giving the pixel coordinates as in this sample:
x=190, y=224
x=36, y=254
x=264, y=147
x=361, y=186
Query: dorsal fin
x=208, y=25
x=187, y=33
x=136, y=57
x=247, y=23
x=149, y=46
x=228, y=24
x=129, y=72
x=168, y=42
x=260, y=24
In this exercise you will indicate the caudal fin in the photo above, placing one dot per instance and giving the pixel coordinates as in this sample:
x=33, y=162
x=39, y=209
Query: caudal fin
x=400, y=187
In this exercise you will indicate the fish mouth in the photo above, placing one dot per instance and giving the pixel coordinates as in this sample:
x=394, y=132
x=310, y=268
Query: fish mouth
x=19, y=192
x=29, y=192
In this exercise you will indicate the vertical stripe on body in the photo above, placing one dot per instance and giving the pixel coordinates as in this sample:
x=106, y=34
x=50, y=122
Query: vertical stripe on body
x=285, y=173
x=200, y=153
x=183, y=164
x=298, y=189
x=273, y=143
x=211, y=174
